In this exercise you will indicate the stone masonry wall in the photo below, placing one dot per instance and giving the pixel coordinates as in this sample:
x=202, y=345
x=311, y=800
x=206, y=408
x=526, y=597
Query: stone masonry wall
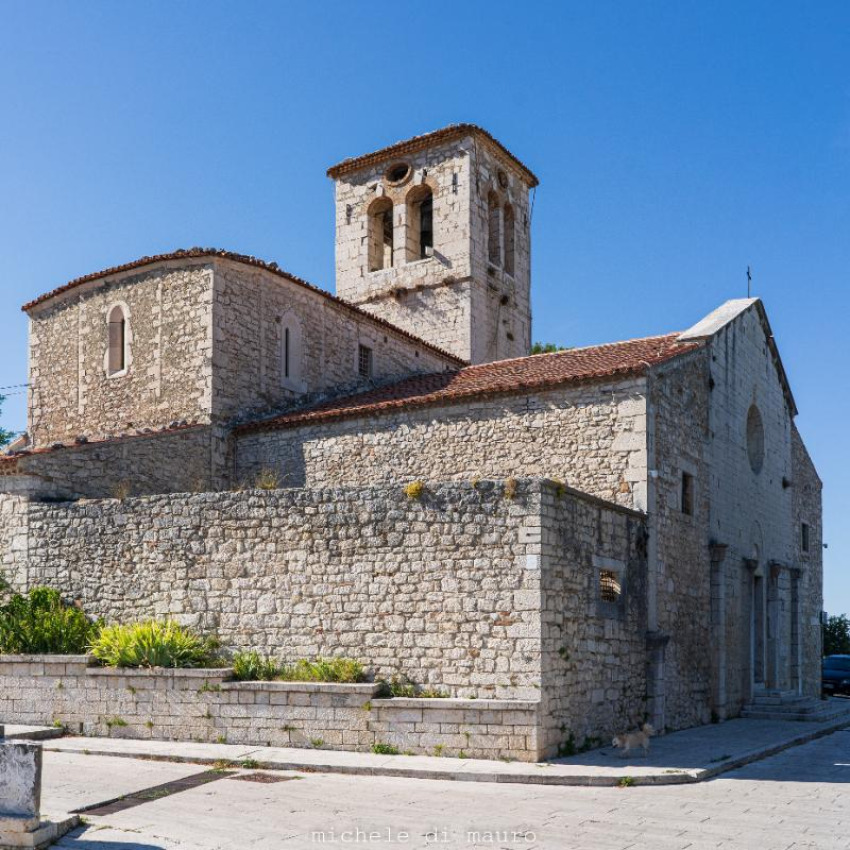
x=681, y=576
x=752, y=511
x=252, y=305
x=808, y=508
x=591, y=437
x=14, y=539
x=202, y=705
x=175, y=461
x=457, y=298
x=169, y=314
x=593, y=651
x=438, y=589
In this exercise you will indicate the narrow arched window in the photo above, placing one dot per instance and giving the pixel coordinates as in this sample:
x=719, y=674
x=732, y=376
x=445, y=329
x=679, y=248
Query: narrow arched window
x=510, y=239
x=381, y=235
x=420, y=223
x=291, y=353
x=494, y=235
x=117, y=356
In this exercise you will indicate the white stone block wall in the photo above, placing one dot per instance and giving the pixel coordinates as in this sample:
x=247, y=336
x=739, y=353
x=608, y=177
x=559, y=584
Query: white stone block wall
x=594, y=652
x=169, y=309
x=251, y=307
x=592, y=438
x=457, y=297
x=203, y=705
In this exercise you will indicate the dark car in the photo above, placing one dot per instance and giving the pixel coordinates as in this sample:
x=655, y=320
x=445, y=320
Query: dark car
x=836, y=674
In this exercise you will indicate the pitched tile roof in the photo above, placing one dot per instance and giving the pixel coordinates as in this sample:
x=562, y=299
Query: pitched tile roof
x=245, y=259
x=523, y=374
x=417, y=143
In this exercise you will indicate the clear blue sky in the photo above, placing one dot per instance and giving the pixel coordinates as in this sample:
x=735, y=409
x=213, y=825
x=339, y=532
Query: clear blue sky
x=675, y=142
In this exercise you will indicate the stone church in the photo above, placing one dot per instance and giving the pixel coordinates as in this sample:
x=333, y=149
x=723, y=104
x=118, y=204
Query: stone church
x=612, y=534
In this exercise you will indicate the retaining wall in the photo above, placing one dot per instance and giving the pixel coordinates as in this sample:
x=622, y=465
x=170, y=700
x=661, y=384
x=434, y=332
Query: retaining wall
x=202, y=705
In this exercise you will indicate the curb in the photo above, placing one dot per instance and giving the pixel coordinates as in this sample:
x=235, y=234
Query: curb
x=536, y=775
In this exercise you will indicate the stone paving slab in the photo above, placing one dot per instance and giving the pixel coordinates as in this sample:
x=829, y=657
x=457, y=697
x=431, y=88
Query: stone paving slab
x=692, y=755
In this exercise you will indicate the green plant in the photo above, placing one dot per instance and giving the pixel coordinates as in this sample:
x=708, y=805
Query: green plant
x=836, y=635
x=317, y=743
x=5, y=436
x=510, y=488
x=115, y=721
x=208, y=688
x=58, y=724
x=414, y=490
x=149, y=724
x=547, y=348
x=568, y=747
x=323, y=670
x=121, y=490
x=462, y=755
x=252, y=667
x=152, y=644
x=625, y=782
x=249, y=764
x=438, y=750
x=401, y=686
x=384, y=749
x=221, y=739
x=41, y=623
x=267, y=479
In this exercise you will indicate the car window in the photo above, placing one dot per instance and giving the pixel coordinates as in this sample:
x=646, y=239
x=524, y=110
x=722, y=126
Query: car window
x=836, y=663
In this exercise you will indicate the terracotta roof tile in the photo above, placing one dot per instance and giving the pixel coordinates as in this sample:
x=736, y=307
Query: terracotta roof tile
x=534, y=373
x=416, y=143
x=200, y=253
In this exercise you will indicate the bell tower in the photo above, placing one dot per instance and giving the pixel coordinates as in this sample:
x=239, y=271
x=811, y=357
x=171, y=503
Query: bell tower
x=433, y=235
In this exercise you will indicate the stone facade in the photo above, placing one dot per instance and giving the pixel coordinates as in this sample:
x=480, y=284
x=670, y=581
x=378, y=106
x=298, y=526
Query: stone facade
x=472, y=294
x=646, y=539
x=204, y=705
x=592, y=437
x=168, y=310
x=446, y=590
x=203, y=345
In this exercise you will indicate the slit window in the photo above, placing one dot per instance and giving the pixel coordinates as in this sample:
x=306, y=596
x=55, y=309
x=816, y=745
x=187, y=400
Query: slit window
x=687, y=494
x=805, y=540
x=510, y=239
x=291, y=352
x=494, y=227
x=117, y=356
x=610, y=586
x=364, y=361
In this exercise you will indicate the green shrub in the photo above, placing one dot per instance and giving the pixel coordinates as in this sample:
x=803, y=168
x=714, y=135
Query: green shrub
x=41, y=623
x=152, y=644
x=384, y=749
x=252, y=667
x=323, y=670
x=401, y=686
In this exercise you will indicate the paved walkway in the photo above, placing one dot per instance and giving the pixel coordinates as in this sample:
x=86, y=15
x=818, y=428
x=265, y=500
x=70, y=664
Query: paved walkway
x=798, y=799
x=689, y=756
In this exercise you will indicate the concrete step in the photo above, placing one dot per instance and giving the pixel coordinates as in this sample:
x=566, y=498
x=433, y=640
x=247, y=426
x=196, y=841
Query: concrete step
x=804, y=710
x=33, y=733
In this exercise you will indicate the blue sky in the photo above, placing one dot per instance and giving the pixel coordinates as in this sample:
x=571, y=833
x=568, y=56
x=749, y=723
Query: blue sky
x=676, y=143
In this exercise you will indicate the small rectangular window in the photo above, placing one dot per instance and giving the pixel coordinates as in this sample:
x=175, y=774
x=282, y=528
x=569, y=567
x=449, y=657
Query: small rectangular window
x=687, y=493
x=610, y=586
x=804, y=537
x=364, y=361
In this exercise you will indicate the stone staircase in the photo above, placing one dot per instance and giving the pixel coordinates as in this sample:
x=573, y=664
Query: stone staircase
x=777, y=705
